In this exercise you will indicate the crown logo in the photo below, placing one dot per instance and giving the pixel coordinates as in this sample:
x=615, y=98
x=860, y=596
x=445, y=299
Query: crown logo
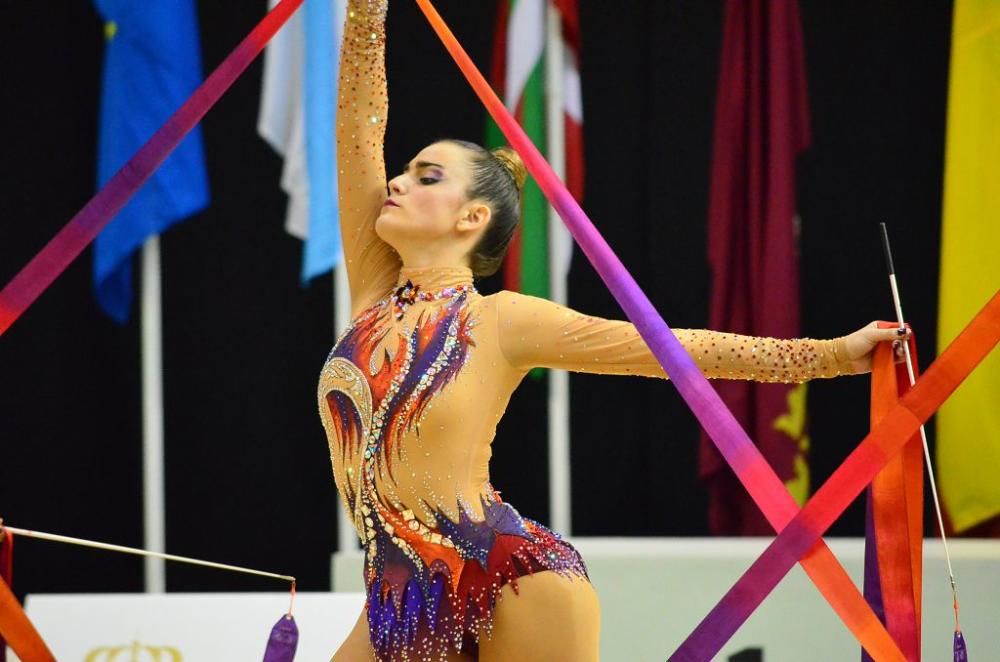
x=134, y=652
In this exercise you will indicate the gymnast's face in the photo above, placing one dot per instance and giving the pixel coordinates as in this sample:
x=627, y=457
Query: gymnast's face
x=428, y=204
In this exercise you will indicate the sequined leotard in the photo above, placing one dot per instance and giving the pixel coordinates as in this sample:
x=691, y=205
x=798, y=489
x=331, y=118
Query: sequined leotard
x=412, y=392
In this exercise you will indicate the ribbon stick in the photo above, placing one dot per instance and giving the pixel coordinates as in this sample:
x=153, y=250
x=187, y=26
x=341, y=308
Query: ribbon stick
x=960, y=651
x=62, y=249
x=52, y=537
x=765, y=487
x=281, y=643
x=885, y=440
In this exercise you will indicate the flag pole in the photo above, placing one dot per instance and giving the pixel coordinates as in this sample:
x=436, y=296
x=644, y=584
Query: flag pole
x=560, y=504
x=154, y=536
x=347, y=537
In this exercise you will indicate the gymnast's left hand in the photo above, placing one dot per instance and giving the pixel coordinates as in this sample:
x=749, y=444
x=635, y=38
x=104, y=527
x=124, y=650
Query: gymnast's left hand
x=862, y=343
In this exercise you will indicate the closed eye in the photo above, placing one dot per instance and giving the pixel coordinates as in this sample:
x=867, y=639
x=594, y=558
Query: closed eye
x=420, y=165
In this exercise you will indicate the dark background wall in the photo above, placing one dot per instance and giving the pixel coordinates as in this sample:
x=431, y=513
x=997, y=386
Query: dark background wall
x=248, y=477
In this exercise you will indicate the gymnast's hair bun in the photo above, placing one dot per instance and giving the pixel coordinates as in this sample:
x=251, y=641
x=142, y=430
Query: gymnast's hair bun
x=512, y=163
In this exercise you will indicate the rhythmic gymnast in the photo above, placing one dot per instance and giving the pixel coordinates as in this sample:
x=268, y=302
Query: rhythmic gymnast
x=412, y=392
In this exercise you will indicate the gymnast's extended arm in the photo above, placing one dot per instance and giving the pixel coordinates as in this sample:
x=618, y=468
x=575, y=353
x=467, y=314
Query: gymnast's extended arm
x=533, y=332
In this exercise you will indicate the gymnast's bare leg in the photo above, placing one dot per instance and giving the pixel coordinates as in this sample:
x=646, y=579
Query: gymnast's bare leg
x=357, y=646
x=551, y=618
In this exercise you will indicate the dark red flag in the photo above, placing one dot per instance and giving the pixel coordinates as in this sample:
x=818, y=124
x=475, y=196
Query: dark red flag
x=761, y=124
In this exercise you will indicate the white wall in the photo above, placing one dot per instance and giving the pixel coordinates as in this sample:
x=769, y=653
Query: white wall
x=179, y=627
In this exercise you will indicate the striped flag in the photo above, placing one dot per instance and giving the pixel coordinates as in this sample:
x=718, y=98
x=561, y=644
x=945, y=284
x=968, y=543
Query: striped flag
x=518, y=76
x=296, y=118
x=968, y=425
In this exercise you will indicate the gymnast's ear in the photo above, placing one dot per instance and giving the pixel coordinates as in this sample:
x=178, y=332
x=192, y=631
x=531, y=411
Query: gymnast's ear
x=474, y=216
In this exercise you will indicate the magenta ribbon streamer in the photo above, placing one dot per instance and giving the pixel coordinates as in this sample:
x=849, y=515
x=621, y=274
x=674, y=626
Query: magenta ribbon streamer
x=65, y=246
x=756, y=475
x=837, y=493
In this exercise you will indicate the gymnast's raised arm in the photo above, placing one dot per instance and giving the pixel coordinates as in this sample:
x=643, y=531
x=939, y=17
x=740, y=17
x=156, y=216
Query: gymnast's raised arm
x=362, y=108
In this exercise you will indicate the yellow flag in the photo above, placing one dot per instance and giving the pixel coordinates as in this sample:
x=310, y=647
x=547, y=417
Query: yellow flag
x=968, y=425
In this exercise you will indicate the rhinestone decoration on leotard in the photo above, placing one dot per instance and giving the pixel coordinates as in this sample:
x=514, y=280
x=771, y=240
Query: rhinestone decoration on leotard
x=408, y=294
x=429, y=584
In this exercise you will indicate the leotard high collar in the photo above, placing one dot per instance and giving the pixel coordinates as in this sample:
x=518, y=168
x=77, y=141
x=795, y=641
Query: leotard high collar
x=431, y=279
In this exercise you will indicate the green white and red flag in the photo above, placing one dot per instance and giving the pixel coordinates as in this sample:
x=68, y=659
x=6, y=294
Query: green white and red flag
x=518, y=76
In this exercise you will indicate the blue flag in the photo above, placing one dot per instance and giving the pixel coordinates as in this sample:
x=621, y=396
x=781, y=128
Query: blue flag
x=322, y=53
x=297, y=114
x=152, y=63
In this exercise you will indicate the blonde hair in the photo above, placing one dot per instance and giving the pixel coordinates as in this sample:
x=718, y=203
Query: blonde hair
x=512, y=162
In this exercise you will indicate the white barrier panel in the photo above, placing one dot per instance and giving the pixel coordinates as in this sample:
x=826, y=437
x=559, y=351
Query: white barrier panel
x=187, y=627
x=654, y=591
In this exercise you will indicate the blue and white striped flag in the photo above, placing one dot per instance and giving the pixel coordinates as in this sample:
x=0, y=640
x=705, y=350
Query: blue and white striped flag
x=297, y=114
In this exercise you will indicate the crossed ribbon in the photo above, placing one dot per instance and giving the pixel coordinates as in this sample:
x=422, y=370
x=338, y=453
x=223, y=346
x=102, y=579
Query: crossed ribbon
x=799, y=538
